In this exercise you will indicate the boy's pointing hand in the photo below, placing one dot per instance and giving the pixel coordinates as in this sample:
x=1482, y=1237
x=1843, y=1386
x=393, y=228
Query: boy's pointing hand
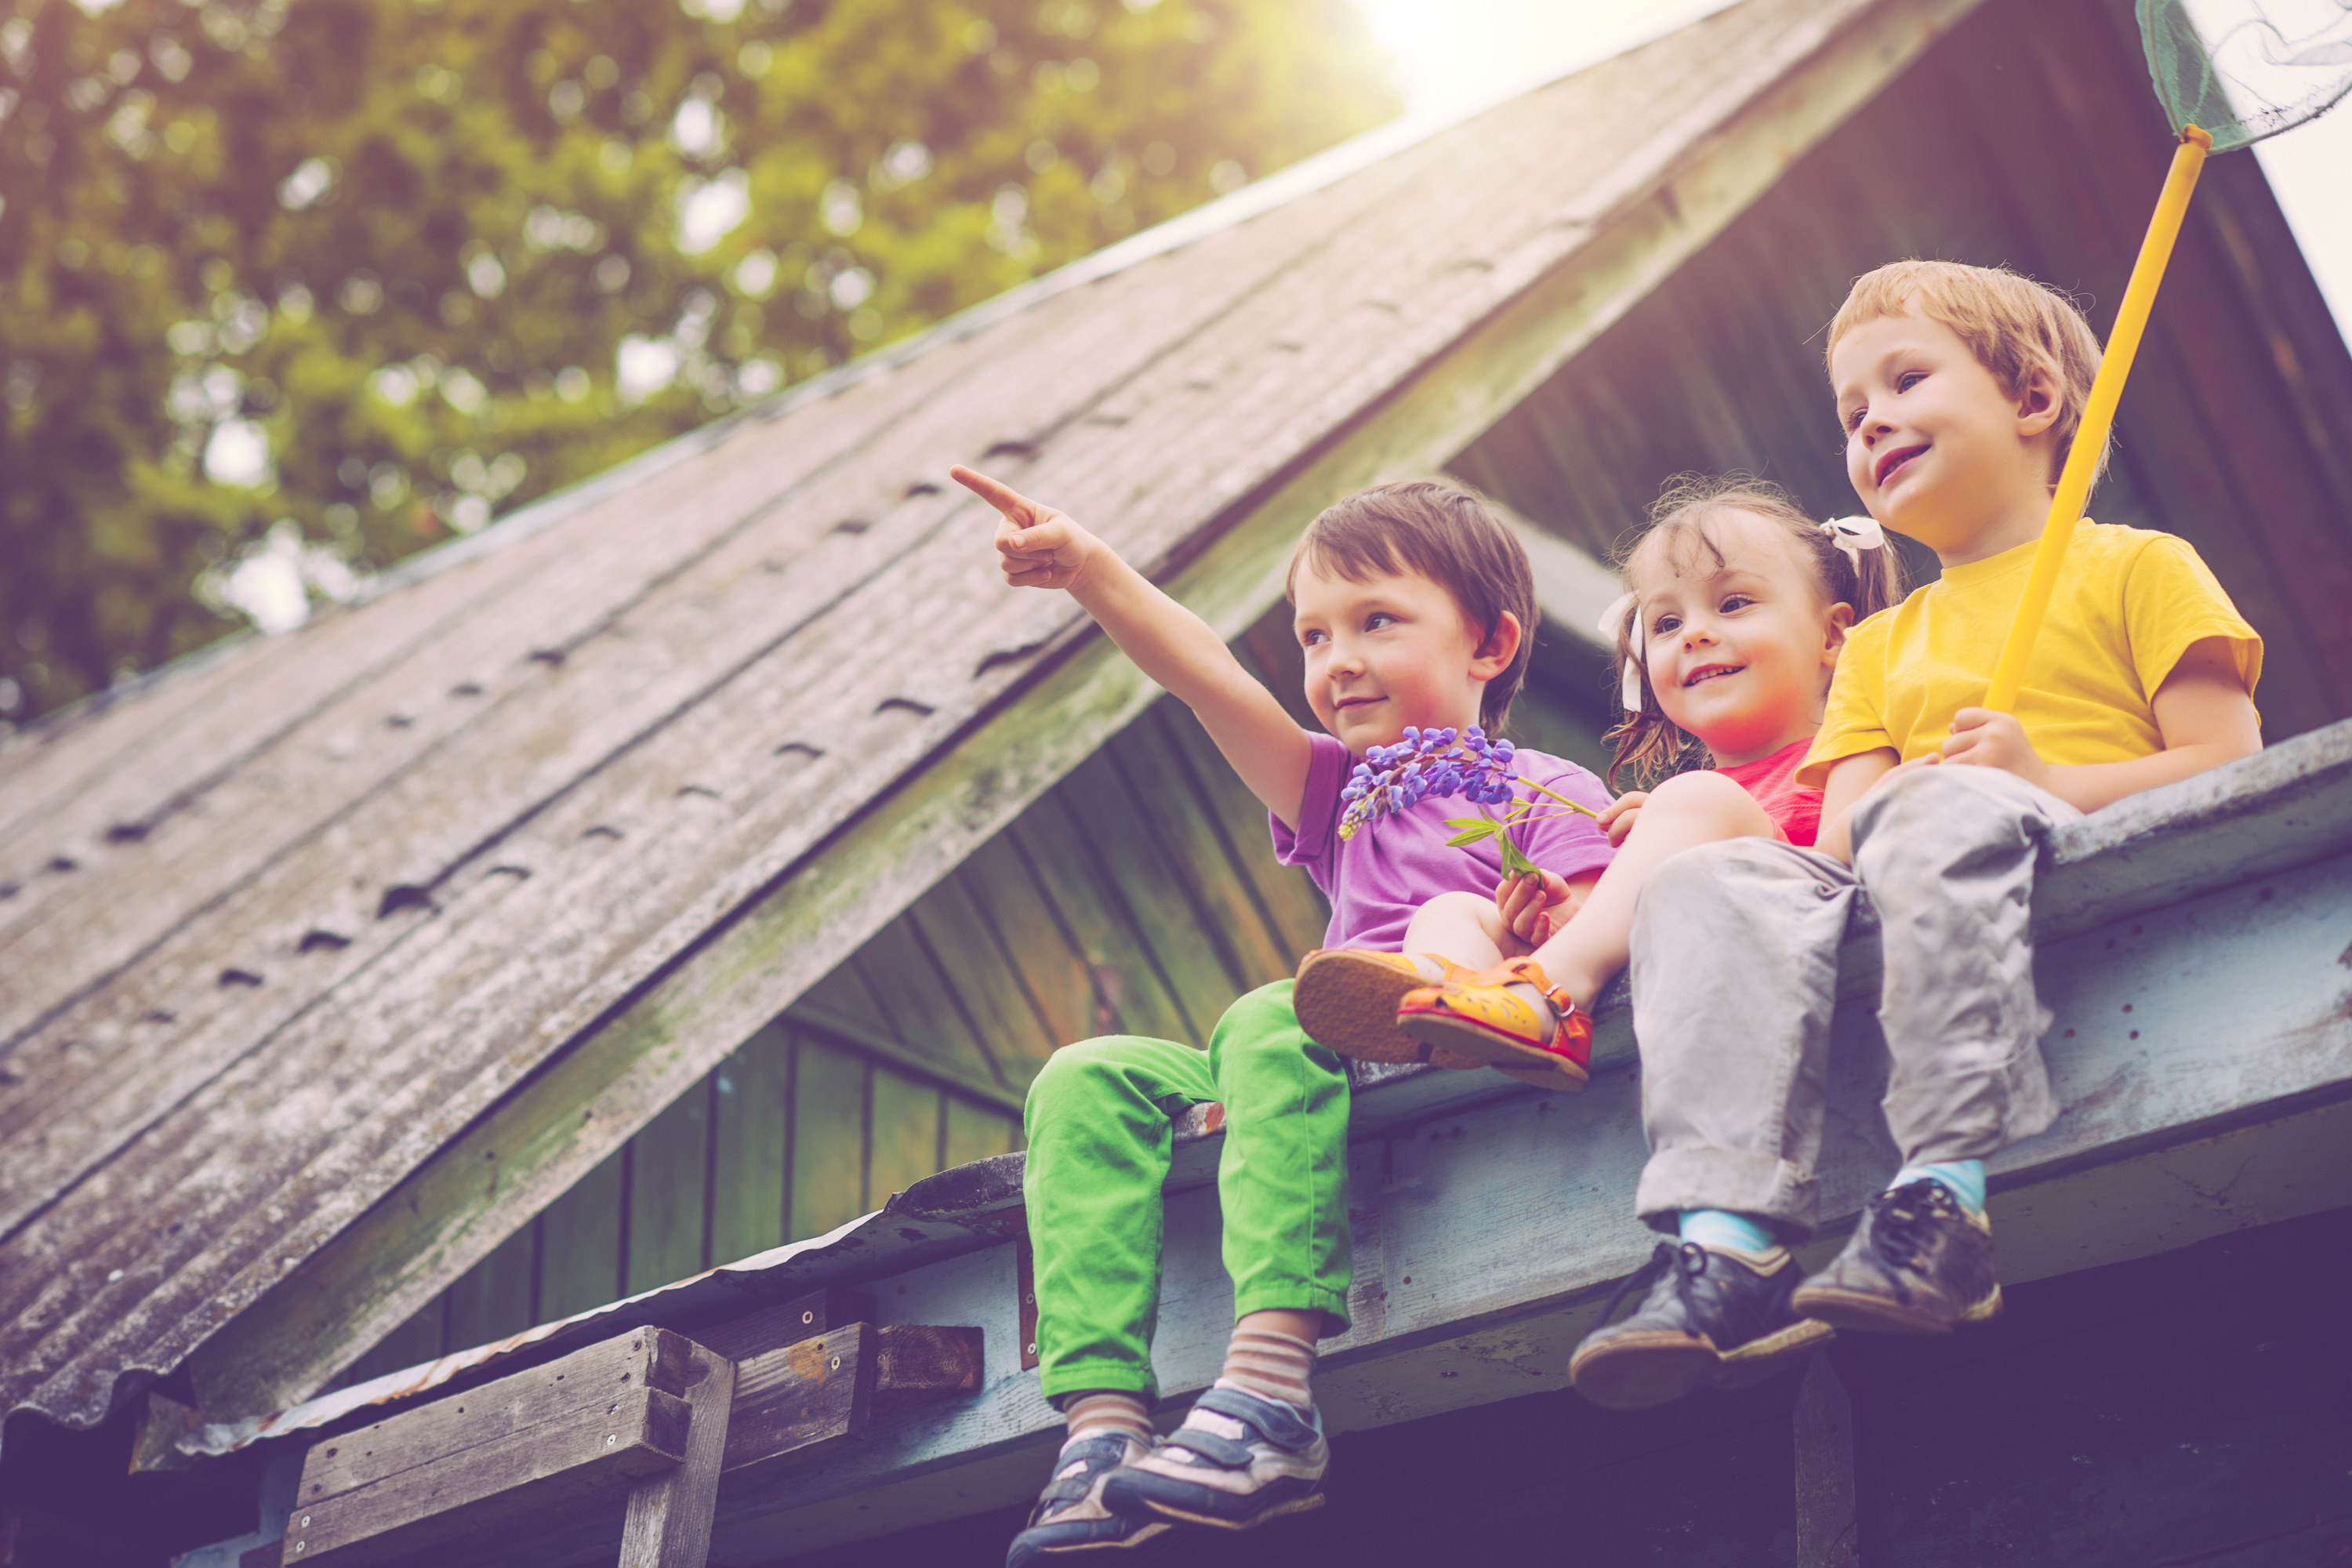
x=1041, y=547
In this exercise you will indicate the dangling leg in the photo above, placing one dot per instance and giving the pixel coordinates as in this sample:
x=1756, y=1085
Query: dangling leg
x=1734, y=981
x=1098, y=1125
x=1253, y=1448
x=1949, y=855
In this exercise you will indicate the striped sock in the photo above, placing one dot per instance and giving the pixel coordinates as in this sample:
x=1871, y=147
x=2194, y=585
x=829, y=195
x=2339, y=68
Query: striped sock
x=1269, y=1364
x=1101, y=1411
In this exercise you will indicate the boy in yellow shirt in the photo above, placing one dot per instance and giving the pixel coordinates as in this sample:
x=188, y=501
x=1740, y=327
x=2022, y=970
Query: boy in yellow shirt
x=1959, y=389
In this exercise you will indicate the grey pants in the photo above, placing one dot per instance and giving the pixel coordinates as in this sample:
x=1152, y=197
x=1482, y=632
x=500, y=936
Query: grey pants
x=1735, y=962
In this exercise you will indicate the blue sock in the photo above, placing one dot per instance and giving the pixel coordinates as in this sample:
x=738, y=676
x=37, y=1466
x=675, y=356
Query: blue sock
x=1721, y=1227
x=1964, y=1179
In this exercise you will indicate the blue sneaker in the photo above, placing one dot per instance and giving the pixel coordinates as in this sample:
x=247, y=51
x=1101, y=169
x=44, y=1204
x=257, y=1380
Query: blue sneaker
x=1237, y=1461
x=1070, y=1516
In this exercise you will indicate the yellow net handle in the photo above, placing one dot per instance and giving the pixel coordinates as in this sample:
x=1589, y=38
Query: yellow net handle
x=2098, y=417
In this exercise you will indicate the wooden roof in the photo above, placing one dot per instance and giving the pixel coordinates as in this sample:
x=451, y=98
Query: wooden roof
x=462, y=886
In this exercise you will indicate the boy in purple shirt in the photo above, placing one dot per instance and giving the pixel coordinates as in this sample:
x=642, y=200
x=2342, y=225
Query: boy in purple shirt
x=1413, y=604
x=1377, y=881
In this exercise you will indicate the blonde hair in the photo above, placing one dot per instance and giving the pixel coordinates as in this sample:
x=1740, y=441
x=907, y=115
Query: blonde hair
x=2010, y=322
x=1647, y=740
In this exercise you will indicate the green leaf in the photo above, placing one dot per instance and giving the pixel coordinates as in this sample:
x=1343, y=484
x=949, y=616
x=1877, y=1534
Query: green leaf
x=1470, y=836
x=1515, y=863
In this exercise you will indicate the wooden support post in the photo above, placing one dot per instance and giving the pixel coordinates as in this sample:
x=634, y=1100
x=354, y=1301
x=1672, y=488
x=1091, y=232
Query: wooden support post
x=668, y=1523
x=1826, y=1524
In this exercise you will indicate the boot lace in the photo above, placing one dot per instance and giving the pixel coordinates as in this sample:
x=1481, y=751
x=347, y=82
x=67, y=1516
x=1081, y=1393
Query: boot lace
x=1903, y=1222
x=1688, y=1258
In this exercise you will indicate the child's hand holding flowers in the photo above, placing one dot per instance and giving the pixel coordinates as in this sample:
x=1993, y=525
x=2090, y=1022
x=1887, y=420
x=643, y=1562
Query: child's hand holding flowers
x=1535, y=906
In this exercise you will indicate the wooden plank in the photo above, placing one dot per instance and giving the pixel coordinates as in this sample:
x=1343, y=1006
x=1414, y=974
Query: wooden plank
x=921, y=1005
x=1192, y=842
x=491, y=1300
x=668, y=1172
x=1827, y=1530
x=905, y=1142
x=541, y=1473
x=1540, y=312
x=1129, y=988
x=752, y=1146
x=1153, y=891
x=580, y=1245
x=1297, y=910
x=589, y=1379
x=773, y=1328
x=974, y=1133
x=1053, y=974
x=842, y=1007
x=829, y=1138
x=917, y=1364
x=973, y=957
x=668, y=1522
x=797, y=1400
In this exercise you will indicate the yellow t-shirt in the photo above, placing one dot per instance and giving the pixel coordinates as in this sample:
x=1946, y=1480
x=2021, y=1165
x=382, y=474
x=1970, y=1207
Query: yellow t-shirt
x=2128, y=604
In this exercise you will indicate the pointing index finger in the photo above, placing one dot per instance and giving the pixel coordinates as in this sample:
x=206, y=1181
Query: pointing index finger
x=1001, y=496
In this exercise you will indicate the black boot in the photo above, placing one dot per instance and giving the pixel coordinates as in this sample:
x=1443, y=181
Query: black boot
x=1919, y=1263
x=1714, y=1319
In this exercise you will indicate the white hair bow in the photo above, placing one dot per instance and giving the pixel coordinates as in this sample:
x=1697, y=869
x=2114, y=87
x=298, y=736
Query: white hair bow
x=1853, y=535
x=1612, y=621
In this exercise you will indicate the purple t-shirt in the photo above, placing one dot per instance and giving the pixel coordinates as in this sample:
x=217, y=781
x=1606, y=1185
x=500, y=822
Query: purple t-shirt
x=1399, y=861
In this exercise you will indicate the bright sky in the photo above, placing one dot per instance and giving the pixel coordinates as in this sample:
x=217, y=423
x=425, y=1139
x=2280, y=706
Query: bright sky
x=1455, y=54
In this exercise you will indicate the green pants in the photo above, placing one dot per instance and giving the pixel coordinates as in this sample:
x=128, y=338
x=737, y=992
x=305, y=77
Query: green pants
x=1099, y=1126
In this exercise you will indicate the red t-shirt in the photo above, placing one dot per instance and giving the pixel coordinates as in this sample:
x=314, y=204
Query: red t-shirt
x=1772, y=780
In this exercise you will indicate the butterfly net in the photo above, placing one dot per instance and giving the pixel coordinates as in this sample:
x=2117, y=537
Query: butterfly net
x=2244, y=69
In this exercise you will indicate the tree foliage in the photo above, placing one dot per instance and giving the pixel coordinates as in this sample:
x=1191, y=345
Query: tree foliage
x=290, y=288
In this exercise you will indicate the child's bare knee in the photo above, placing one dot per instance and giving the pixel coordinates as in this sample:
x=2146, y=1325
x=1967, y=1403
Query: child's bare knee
x=1708, y=797
x=1469, y=906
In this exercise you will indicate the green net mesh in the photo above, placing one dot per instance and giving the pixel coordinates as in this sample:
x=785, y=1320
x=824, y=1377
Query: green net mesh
x=2244, y=69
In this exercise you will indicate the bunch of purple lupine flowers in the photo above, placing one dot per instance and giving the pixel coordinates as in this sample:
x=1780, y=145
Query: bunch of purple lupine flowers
x=1426, y=762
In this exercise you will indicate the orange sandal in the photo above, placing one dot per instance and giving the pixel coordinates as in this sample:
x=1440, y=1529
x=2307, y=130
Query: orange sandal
x=1347, y=1000
x=1511, y=1016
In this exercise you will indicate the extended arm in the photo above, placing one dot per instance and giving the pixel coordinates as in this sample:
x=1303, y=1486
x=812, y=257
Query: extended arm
x=1042, y=548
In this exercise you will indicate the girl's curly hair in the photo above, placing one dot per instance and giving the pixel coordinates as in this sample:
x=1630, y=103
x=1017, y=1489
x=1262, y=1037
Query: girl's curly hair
x=1680, y=522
